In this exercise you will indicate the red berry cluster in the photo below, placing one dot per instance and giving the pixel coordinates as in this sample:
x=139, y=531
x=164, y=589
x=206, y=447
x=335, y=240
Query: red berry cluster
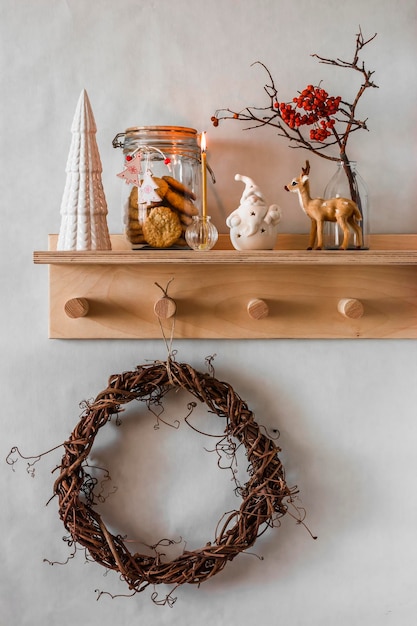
x=318, y=107
x=322, y=130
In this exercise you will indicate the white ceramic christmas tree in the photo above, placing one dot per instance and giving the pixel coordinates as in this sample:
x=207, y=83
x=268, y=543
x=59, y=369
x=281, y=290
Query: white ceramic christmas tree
x=83, y=206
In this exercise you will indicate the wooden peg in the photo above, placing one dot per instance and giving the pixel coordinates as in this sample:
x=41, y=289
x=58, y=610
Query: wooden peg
x=77, y=307
x=350, y=308
x=165, y=308
x=257, y=309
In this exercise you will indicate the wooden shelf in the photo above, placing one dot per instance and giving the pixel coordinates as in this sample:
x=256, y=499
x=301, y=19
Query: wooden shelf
x=219, y=293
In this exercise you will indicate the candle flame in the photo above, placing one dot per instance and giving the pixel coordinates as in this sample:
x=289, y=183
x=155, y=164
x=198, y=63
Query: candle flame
x=203, y=142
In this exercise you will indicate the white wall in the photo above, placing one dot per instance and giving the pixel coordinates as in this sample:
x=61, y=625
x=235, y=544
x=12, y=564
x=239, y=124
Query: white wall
x=345, y=409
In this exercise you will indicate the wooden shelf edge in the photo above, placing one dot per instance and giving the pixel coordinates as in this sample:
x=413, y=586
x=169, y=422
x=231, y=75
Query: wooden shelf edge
x=384, y=250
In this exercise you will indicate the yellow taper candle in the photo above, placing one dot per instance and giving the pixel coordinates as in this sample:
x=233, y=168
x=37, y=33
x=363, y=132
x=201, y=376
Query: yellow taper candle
x=203, y=174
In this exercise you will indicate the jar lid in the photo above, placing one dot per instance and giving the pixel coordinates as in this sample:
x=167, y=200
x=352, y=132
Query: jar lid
x=155, y=130
x=168, y=134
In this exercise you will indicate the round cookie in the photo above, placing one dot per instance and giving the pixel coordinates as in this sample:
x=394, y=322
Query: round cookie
x=160, y=190
x=186, y=220
x=134, y=226
x=181, y=203
x=135, y=237
x=162, y=186
x=181, y=242
x=162, y=227
x=180, y=187
x=133, y=198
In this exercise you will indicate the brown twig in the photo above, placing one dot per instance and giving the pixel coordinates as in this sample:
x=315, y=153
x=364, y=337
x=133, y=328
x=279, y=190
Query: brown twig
x=271, y=115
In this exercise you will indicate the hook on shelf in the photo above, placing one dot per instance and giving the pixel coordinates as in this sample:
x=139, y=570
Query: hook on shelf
x=350, y=308
x=77, y=307
x=165, y=307
x=257, y=309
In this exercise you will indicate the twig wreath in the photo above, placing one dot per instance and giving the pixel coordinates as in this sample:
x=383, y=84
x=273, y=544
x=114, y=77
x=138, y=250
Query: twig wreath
x=265, y=497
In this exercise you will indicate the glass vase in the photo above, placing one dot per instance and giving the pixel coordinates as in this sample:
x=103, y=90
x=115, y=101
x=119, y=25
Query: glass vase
x=346, y=182
x=201, y=234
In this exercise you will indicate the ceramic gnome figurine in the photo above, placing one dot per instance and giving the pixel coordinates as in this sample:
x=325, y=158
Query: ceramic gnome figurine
x=83, y=206
x=253, y=225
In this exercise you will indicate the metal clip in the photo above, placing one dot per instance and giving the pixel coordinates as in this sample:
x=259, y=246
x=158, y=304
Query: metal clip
x=116, y=143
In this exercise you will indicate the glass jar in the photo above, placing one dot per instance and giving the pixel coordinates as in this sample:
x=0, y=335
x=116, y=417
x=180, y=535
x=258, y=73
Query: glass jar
x=346, y=182
x=163, y=191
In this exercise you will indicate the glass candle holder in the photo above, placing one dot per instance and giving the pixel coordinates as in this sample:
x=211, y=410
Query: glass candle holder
x=201, y=234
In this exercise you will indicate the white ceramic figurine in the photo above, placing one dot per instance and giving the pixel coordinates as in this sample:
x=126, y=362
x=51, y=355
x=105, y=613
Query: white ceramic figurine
x=253, y=225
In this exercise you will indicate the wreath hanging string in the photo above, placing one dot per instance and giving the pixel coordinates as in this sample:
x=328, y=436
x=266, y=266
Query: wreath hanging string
x=265, y=497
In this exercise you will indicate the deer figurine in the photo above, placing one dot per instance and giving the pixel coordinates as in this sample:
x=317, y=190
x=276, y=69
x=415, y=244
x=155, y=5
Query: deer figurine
x=341, y=210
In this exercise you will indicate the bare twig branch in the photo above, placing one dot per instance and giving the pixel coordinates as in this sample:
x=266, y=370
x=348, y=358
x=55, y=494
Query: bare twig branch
x=326, y=129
